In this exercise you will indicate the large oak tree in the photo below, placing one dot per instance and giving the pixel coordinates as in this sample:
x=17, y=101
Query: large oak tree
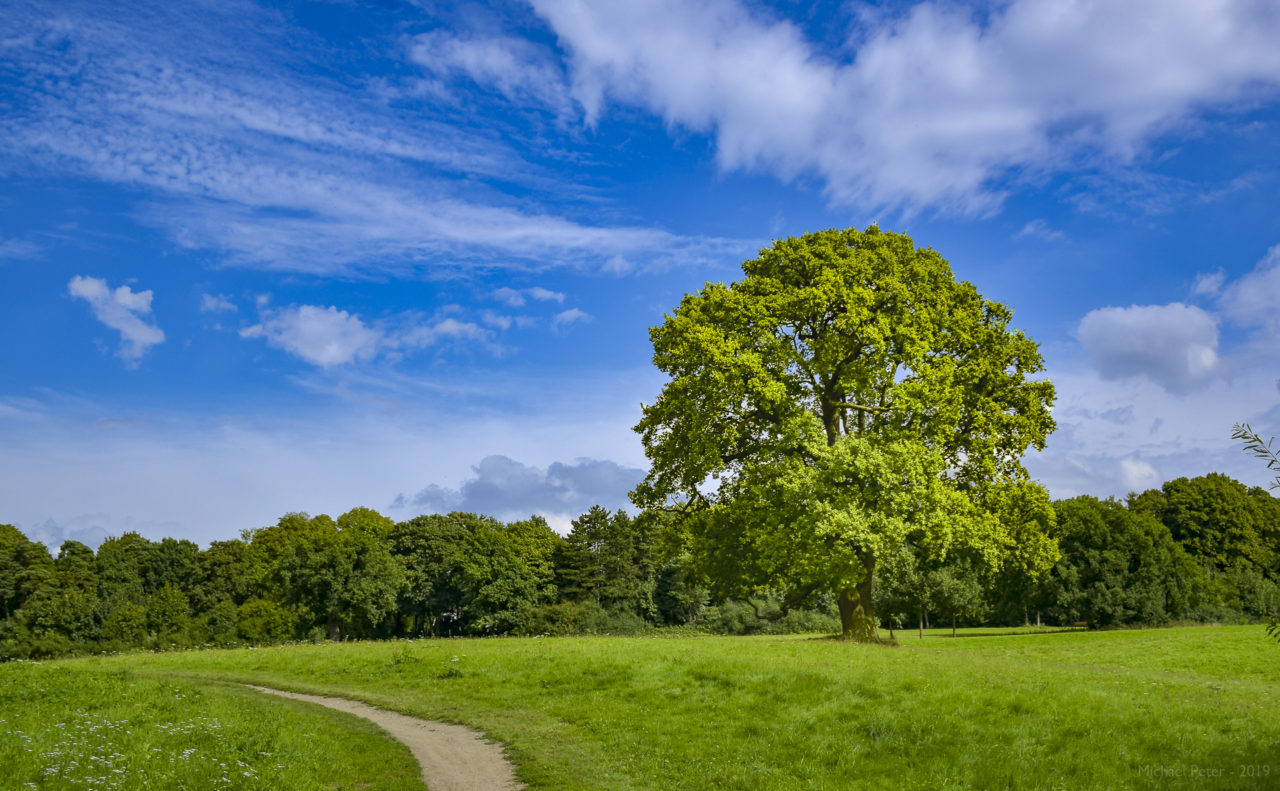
x=847, y=395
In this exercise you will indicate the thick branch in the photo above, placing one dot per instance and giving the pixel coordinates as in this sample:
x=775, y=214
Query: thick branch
x=786, y=605
x=875, y=410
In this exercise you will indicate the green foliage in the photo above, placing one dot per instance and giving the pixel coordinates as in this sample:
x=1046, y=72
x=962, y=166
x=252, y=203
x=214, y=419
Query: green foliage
x=536, y=544
x=956, y=591
x=263, y=622
x=25, y=569
x=841, y=363
x=470, y=574
x=1014, y=587
x=168, y=615
x=342, y=573
x=739, y=618
x=1217, y=520
x=940, y=552
x=1261, y=449
x=679, y=599
x=606, y=558
x=1119, y=566
x=11, y=567
x=580, y=617
x=229, y=570
x=217, y=625
x=125, y=627
x=170, y=562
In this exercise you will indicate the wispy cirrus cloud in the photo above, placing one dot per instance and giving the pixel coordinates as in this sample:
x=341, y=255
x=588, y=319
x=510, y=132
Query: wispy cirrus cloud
x=1254, y=299
x=571, y=316
x=17, y=249
x=1039, y=229
x=520, y=70
x=290, y=173
x=516, y=297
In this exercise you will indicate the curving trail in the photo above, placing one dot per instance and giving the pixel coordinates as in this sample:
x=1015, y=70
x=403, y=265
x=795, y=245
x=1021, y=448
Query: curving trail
x=452, y=757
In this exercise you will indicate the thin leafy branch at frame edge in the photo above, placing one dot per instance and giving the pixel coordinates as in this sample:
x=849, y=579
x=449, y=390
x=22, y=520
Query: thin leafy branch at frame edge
x=1261, y=449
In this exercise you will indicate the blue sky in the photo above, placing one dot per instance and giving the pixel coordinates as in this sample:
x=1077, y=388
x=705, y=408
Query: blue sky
x=258, y=258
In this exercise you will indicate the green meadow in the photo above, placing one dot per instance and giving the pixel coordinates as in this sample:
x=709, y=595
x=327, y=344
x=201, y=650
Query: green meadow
x=1168, y=708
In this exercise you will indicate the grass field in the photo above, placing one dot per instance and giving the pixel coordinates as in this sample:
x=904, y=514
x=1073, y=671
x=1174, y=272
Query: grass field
x=1169, y=708
x=76, y=724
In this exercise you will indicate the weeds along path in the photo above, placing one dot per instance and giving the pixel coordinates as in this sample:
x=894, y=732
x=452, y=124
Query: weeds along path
x=452, y=757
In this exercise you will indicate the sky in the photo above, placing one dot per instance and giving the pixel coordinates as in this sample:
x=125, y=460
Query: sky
x=260, y=258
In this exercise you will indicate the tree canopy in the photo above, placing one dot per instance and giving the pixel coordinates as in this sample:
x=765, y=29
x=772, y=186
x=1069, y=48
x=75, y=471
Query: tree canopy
x=1119, y=566
x=1218, y=520
x=846, y=393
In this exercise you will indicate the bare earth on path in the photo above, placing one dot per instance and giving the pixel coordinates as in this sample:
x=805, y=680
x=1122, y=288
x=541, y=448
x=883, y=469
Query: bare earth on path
x=452, y=757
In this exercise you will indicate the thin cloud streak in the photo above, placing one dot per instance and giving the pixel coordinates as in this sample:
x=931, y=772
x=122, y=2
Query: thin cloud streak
x=295, y=176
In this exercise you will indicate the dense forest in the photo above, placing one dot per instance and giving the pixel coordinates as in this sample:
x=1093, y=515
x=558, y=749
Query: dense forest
x=1201, y=549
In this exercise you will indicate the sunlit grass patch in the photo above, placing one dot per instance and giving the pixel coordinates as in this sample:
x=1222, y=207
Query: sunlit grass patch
x=1168, y=708
x=63, y=728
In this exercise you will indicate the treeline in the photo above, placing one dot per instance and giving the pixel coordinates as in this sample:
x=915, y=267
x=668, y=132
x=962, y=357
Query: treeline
x=1197, y=549
x=1204, y=549
x=357, y=577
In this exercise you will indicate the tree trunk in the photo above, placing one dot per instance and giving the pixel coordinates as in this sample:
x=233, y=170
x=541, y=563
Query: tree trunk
x=921, y=623
x=1026, y=617
x=926, y=620
x=1037, y=617
x=953, y=624
x=335, y=633
x=857, y=613
x=830, y=417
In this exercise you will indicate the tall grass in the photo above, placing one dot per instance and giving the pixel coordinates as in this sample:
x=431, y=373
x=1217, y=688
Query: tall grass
x=75, y=725
x=1170, y=708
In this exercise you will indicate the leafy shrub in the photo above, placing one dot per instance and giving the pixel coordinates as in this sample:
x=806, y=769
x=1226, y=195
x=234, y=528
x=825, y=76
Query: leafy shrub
x=265, y=621
x=587, y=617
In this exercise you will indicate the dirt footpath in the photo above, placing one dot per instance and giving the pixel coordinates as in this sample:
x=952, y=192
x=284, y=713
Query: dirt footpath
x=452, y=757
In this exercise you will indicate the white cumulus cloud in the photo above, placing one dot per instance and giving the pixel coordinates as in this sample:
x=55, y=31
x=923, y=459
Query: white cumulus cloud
x=1174, y=345
x=323, y=336
x=327, y=337
x=931, y=108
x=122, y=309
